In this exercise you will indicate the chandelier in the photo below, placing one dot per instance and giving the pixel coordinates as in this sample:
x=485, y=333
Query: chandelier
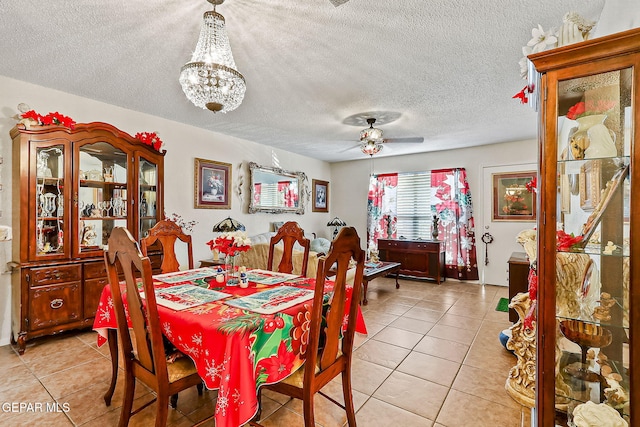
x=210, y=80
x=371, y=139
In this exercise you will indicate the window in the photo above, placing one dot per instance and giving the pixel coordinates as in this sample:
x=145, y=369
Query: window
x=414, y=205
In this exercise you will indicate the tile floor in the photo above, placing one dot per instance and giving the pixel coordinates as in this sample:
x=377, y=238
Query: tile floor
x=432, y=358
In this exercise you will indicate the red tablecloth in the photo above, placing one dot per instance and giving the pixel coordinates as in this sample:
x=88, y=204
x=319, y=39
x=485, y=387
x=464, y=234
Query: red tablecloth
x=234, y=350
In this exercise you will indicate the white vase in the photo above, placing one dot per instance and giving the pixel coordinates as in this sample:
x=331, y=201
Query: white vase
x=592, y=139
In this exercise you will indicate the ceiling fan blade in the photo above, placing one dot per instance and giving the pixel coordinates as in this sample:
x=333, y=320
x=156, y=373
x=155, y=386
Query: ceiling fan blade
x=417, y=139
x=349, y=148
x=337, y=3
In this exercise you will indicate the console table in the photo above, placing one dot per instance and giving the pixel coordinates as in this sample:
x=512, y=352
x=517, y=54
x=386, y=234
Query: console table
x=418, y=258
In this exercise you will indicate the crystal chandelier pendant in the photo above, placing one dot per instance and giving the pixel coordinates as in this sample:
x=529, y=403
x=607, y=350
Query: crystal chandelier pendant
x=210, y=80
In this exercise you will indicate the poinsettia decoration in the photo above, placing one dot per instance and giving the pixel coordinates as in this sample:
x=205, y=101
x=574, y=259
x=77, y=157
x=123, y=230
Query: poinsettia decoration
x=149, y=138
x=49, y=119
x=567, y=242
x=532, y=186
x=590, y=107
x=230, y=244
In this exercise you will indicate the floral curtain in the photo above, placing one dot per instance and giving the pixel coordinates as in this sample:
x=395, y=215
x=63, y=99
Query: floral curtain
x=257, y=193
x=381, y=208
x=451, y=204
x=287, y=194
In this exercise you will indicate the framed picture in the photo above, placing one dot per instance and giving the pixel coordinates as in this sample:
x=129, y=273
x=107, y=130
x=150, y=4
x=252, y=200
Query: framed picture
x=511, y=199
x=589, y=185
x=212, y=183
x=320, y=196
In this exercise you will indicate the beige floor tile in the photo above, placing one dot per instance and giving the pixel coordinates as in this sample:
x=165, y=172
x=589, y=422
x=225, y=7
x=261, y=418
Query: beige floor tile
x=463, y=336
x=405, y=300
x=376, y=413
x=413, y=394
x=430, y=368
x=15, y=376
x=377, y=316
x=491, y=356
x=484, y=384
x=366, y=377
x=459, y=408
x=394, y=308
x=381, y=353
x=49, y=419
x=434, y=305
x=30, y=391
x=64, y=359
x=399, y=337
x=284, y=417
x=444, y=349
x=413, y=325
x=326, y=413
x=373, y=327
x=47, y=346
x=77, y=377
x=9, y=357
x=460, y=322
x=468, y=311
x=423, y=314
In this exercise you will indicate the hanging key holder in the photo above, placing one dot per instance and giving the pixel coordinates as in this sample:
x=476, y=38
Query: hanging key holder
x=487, y=238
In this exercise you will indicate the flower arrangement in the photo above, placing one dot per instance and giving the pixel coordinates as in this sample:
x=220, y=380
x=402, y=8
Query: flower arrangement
x=149, y=138
x=231, y=243
x=174, y=217
x=589, y=108
x=56, y=118
x=574, y=29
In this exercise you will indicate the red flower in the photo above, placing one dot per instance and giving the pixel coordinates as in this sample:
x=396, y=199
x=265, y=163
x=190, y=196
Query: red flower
x=530, y=318
x=567, y=242
x=279, y=366
x=211, y=244
x=532, y=186
x=590, y=107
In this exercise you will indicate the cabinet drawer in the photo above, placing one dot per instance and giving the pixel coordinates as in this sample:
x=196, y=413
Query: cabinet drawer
x=92, y=291
x=95, y=270
x=54, y=305
x=54, y=274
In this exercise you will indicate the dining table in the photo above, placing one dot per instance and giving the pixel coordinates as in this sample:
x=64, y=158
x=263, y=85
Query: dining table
x=235, y=347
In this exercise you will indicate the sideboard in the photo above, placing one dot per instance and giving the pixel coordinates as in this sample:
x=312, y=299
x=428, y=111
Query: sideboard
x=419, y=258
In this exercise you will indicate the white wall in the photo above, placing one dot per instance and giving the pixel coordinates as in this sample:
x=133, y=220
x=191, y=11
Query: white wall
x=350, y=185
x=183, y=143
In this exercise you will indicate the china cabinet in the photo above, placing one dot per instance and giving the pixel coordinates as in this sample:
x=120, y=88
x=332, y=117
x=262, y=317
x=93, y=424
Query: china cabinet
x=588, y=241
x=70, y=189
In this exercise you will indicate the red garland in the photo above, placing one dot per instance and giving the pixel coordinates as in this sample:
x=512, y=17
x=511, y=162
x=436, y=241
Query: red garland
x=149, y=138
x=50, y=119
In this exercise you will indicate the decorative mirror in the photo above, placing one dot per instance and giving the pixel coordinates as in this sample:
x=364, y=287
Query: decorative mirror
x=274, y=190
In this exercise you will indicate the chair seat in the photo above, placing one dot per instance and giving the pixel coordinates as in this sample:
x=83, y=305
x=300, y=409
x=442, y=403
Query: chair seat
x=181, y=368
x=296, y=379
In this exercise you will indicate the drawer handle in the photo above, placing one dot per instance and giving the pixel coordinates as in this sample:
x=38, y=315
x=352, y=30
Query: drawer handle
x=57, y=303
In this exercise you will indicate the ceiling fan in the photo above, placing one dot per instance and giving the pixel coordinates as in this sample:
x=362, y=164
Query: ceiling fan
x=371, y=139
x=337, y=3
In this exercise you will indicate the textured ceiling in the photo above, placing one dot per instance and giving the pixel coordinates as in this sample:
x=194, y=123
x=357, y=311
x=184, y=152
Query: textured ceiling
x=448, y=67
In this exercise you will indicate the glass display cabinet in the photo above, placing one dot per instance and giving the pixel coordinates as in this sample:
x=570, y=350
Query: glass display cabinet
x=587, y=236
x=70, y=189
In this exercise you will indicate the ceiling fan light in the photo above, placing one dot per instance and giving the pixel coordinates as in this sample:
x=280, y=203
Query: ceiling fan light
x=371, y=147
x=370, y=133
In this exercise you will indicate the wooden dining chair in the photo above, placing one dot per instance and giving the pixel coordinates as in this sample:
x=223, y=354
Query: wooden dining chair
x=289, y=234
x=167, y=233
x=147, y=363
x=330, y=347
